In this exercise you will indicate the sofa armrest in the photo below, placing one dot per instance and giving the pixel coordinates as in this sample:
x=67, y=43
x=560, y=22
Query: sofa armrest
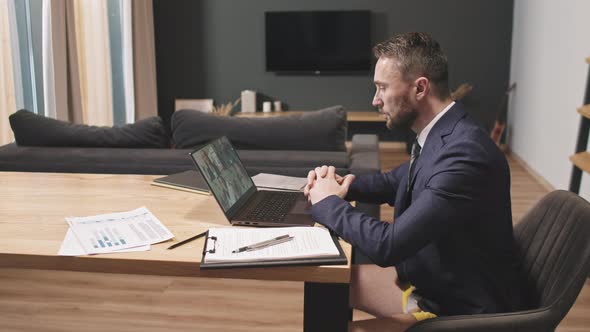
x=364, y=159
x=364, y=154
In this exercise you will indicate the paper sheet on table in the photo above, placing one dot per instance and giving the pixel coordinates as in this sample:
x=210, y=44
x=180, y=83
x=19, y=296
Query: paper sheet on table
x=265, y=180
x=115, y=231
x=71, y=247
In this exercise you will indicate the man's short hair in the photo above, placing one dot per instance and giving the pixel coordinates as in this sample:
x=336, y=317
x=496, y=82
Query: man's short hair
x=418, y=54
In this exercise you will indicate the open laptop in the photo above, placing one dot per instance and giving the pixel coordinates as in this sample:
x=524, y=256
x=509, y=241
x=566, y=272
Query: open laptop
x=237, y=195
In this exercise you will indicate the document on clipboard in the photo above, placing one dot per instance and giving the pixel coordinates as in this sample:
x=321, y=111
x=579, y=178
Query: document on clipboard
x=273, y=246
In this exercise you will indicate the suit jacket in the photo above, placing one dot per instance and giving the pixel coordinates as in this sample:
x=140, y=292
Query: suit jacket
x=454, y=241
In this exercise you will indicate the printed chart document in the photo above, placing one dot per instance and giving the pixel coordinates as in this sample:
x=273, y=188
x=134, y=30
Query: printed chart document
x=274, y=181
x=116, y=231
x=307, y=245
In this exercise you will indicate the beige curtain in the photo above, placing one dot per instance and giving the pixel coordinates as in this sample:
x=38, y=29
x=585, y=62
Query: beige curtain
x=77, y=75
x=144, y=60
x=62, y=81
x=7, y=91
x=92, y=35
x=54, y=58
x=74, y=97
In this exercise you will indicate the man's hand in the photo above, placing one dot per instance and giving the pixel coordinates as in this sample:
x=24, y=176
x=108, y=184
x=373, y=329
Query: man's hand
x=314, y=174
x=323, y=182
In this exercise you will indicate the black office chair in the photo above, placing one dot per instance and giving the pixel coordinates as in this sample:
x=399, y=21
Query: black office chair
x=554, y=243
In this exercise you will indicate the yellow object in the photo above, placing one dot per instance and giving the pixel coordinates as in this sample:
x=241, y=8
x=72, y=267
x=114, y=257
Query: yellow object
x=415, y=311
x=422, y=315
x=405, y=296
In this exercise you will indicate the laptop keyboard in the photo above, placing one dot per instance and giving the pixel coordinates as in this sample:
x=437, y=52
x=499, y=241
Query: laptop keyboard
x=270, y=206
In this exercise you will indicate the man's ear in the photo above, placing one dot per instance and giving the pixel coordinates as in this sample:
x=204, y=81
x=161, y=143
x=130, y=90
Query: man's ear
x=422, y=85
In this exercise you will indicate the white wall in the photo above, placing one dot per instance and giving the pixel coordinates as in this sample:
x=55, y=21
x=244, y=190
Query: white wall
x=550, y=41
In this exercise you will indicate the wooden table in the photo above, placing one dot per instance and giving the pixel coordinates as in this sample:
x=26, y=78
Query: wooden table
x=32, y=228
x=351, y=116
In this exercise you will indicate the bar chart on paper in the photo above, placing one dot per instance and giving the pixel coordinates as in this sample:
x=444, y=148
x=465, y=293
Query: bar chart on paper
x=117, y=231
x=109, y=236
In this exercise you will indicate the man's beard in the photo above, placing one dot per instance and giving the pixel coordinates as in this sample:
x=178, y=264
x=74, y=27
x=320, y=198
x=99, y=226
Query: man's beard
x=404, y=117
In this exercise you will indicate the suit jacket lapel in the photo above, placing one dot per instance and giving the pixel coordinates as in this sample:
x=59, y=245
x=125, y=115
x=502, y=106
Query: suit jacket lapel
x=434, y=142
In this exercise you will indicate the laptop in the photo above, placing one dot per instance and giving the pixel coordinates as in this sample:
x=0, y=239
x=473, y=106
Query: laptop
x=238, y=197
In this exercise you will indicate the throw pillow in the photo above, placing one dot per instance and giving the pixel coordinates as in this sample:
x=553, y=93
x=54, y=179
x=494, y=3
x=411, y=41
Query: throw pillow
x=323, y=130
x=31, y=129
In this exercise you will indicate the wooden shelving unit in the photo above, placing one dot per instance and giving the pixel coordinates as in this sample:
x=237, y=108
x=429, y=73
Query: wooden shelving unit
x=584, y=111
x=581, y=159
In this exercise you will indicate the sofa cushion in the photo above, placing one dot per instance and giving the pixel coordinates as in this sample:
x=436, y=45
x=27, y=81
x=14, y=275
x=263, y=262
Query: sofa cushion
x=323, y=130
x=156, y=161
x=31, y=129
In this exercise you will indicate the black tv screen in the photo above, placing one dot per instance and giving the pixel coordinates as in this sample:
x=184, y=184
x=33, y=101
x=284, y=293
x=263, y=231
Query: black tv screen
x=318, y=41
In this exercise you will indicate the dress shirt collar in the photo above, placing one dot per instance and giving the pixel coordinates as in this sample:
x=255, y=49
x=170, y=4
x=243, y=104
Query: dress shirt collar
x=421, y=138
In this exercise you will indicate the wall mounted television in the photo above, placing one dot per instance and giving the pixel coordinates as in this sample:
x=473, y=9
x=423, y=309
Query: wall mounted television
x=319, y=42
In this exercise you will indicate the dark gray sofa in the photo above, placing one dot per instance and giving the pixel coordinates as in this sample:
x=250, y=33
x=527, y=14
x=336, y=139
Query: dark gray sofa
x=363, y=158
x=288, y=145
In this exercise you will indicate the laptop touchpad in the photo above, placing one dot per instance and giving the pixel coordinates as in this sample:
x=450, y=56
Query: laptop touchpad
x=302, y=206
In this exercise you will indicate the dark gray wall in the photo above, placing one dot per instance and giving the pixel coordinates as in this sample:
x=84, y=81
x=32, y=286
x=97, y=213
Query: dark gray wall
x=180, y=51
x=225, y=39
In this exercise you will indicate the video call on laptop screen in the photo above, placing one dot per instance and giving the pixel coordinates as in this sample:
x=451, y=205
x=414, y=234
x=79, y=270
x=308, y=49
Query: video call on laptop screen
x=223, y=171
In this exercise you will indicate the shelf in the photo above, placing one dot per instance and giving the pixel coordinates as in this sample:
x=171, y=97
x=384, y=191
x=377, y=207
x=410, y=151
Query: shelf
x=584, y=111
x=359, y=116
x=582, y=161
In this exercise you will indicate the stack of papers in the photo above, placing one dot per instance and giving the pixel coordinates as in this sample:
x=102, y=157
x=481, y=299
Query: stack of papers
x=281, y=182
x=127, y=231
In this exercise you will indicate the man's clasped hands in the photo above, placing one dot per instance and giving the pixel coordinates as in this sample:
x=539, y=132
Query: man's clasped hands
x=323, y=182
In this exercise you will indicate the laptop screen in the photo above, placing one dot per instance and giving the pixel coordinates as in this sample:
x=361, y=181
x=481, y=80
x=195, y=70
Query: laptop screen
x=221, y=167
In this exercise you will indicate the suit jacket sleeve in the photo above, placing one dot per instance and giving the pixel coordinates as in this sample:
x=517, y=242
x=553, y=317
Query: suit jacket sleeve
x=452, y=194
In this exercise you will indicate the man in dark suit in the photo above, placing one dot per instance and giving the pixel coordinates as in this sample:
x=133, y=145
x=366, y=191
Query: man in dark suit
x=450, y=249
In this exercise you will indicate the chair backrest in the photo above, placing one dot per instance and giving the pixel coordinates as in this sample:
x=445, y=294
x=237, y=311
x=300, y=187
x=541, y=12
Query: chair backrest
x=554, y=243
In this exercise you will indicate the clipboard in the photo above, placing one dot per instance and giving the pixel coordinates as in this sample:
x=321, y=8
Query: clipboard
x=211, y=242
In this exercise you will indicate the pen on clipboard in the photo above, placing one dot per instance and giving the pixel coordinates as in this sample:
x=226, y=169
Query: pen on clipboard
x=200, y=235
x=264, y=244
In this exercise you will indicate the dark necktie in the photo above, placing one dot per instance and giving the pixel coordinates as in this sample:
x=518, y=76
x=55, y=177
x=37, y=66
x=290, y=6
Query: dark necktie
x=413, y=157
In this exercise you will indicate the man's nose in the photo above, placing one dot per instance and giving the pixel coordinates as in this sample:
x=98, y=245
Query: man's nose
x=376, y=102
